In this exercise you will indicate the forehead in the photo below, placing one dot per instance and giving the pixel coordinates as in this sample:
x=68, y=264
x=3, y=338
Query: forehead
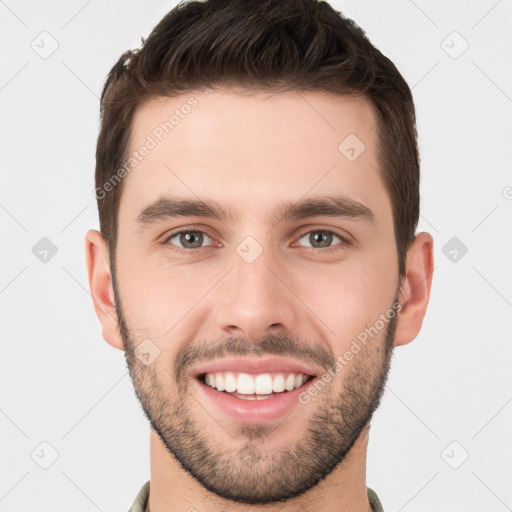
x=252, y=150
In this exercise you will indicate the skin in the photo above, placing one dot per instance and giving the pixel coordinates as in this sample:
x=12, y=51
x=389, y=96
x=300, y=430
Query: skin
x=250, y=153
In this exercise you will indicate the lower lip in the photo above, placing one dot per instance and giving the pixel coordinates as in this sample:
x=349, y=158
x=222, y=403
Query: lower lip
x=253, y=411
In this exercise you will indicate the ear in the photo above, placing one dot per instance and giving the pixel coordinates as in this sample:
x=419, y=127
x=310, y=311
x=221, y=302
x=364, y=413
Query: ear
x=100, y=283
x=415, y=289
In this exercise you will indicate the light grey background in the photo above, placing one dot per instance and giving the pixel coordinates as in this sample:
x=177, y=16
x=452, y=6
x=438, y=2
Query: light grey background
x=449, y=394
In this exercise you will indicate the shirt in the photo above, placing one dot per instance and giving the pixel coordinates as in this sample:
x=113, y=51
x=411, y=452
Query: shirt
x=139, y=505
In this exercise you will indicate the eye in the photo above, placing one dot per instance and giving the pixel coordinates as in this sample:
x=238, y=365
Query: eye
x=187, y=239
x=323, y=239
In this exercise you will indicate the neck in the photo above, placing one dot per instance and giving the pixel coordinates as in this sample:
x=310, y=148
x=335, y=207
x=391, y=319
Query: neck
x=174, y=490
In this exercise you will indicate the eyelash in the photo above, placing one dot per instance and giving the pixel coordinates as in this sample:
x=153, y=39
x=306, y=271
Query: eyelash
x=183, y=250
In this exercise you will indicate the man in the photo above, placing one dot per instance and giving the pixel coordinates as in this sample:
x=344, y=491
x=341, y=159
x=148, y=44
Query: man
x=258, y=189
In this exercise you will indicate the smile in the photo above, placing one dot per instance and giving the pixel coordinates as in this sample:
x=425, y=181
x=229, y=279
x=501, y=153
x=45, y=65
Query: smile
x=255, y=387
x=258, y=391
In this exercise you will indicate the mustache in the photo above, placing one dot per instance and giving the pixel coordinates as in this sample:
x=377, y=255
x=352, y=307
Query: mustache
x=283, y=344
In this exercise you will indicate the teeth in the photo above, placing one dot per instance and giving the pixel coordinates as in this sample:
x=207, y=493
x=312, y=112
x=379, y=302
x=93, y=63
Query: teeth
x=252, y=385
x=244, y=384
x=252, y=397
x=278, y=384
x=263, y=384
x=219, y=382
x=290, y=382
x=230, y=382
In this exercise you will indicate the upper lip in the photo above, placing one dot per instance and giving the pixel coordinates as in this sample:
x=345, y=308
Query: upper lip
x=254, y=365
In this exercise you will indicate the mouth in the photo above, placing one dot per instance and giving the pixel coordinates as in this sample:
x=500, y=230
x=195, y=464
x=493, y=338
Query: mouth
x=254, y=387
x=257, y=391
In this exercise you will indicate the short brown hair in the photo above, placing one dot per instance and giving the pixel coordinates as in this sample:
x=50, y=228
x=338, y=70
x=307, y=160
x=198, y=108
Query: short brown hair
x=268, y=45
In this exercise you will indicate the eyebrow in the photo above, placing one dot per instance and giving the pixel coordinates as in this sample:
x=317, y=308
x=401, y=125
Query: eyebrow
x=330, y=206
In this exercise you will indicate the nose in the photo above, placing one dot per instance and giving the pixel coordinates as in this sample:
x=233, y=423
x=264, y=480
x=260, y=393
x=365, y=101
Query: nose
x=254, y=299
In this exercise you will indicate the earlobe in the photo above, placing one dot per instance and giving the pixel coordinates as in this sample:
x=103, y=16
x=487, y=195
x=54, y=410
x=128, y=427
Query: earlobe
x=100, y=283
x=415, y=289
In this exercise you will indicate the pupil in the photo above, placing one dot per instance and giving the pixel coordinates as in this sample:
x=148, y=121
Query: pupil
x=187, y=238
x=327, y=238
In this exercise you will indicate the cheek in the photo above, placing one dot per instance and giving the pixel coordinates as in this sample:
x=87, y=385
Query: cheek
x=349, y=299
x=156, y=300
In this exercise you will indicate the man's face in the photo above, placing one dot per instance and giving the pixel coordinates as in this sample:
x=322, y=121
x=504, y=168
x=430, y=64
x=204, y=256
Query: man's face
x=296, y=289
